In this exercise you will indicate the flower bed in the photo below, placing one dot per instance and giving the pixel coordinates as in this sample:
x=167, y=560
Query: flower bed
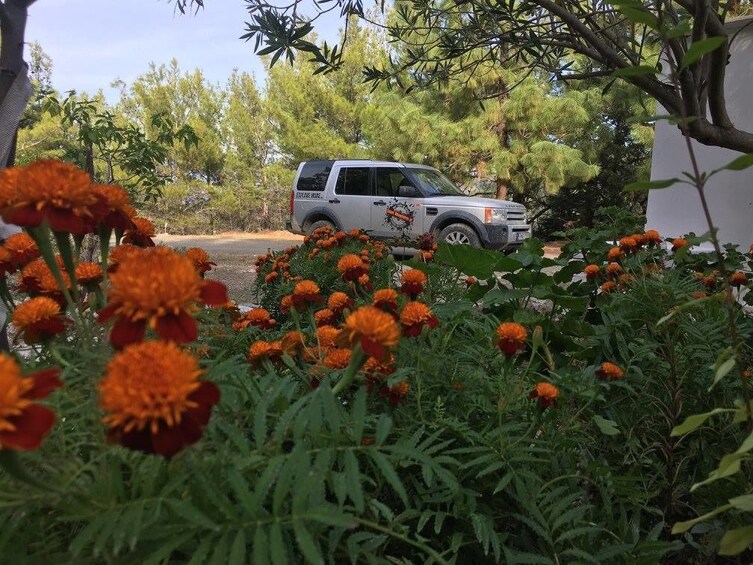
x=364, y=411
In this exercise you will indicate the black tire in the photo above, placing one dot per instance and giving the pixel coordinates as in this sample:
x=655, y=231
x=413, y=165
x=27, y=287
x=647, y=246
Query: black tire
x=458, y=234
x=320, y=224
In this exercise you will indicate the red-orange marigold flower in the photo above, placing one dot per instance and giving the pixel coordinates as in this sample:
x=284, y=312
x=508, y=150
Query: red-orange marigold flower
x=8, y=186
x=547, y=394
x=23, y=423
x=57, y=192
x=608, y=287
x=200, y=259
x=592, y=272
x=376, y=331
x=415, y=316
x=306, y=292
x=293, y=342
x=160, y=288
x=22, y=248
x=324, y=317
x=119, y=253
x=89, y=274
x=339, y=301
x=153, y=399
x=141, y=233
x=609, y=371
x=640, y=239
x=511, y=338
x=351, y=267
x=286, y=302
x=117, y=206
x=39, y=318
x=6, y=262
x=613, y=270
x=386, y=299
x=337, y=358
x=271, y=277
x=327, y=336
x=413, y=281
x=698, y=295
x=653, y=237
x=738, y=278
x=678, y=243
x=258, y=317
x=470, y=281
x=615, y=254
x=259, y=350
x=628, y=244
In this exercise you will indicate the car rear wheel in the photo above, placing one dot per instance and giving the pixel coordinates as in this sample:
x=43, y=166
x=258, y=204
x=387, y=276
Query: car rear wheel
x=456, y=234
x=320, y=224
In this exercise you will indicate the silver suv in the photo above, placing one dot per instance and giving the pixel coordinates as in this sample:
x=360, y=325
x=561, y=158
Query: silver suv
x=399, y=202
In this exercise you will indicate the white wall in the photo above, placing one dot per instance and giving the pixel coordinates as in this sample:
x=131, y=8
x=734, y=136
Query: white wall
x=676, y=210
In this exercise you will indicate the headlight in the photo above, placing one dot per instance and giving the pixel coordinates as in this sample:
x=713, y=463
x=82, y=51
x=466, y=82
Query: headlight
x=495, y=216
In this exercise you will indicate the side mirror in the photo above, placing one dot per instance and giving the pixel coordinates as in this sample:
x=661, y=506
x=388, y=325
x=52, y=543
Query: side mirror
x=406, y=191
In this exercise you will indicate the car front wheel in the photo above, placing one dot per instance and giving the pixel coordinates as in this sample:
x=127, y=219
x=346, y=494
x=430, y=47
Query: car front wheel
x=456, y=234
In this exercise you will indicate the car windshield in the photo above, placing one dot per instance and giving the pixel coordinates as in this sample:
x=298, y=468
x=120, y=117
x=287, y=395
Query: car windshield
x=434, y=183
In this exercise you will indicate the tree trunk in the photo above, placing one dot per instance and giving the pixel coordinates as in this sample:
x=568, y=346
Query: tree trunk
x=501, y=189
x=504, y=138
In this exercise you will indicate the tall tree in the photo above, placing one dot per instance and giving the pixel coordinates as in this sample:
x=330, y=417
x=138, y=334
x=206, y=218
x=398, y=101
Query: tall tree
x=566, y=38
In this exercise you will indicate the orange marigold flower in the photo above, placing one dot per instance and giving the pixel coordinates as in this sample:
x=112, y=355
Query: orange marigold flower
x=413, y=281
x=339, y=301
x=117, y=204
x=457, y=386
x=678, y=243
x=327, y=336
x=609, y=371
x=271, y=276
x=153, y=399
x=119, y=253
x=337, y=358
x=592, y=272
x=286, y=302
x=31, y=274
x=259, y=350
x=709, y=282
x=324, y=317
x=376, y=331
x=306, y=292
x=314, y=252
x=613, y=270
x=640, y=239
x=200, y=259
x=628, y=244
x=258, y=317
x=23, y=423
x=57, y=192
x=415, y=316
x=351, y=267
x=746, y=374
x=738, y=278
x=22, y=248
x=88, y=274
x=141, y=233
x=8, y=186
x=511, y=338
x=608, y=287
x=547, y=394
x=386, y=299
x=615, y=254
x=395, y=393
x=653, y=237
x=293, y=342
x=160, y=288
x=698, y=295
x=470, y=281
x=39, y=318
x=355, y=232
x=365, y=282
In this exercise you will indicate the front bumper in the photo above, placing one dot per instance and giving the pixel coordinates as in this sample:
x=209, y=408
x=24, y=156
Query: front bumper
x=505, y=236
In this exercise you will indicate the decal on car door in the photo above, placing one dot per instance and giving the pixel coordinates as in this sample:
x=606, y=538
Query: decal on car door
x=399, y=216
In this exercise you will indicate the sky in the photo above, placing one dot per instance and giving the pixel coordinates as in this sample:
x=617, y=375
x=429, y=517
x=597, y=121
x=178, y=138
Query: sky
x=95, y=42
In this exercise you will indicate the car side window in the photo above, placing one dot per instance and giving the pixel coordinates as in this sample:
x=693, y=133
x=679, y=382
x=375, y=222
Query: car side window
x=353, y=181
x=388, y=180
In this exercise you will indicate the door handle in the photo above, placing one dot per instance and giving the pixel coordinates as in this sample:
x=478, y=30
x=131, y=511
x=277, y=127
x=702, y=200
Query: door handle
x=380, y=203
x=334, y=201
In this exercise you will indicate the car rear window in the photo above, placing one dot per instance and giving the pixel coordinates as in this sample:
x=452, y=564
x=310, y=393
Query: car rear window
x=314, y=175
x=353, y=181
